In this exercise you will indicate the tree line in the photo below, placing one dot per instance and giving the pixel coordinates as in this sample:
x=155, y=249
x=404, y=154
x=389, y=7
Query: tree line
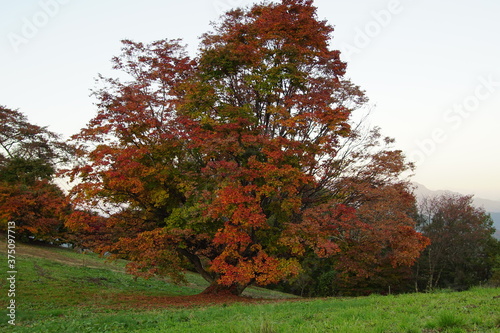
x=245, y=165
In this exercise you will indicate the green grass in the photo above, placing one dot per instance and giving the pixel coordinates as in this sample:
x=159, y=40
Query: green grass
x=69, y=292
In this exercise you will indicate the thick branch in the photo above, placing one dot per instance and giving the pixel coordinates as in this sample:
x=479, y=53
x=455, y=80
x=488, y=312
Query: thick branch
x=195, y=260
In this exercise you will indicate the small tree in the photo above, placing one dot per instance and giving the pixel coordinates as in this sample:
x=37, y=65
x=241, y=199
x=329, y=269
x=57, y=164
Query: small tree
x=29, y=155
x=460, y=235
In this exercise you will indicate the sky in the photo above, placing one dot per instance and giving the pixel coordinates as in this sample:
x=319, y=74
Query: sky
x=429, y=68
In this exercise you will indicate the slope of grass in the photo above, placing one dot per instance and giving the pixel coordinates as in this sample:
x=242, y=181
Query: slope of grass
x=61, y=291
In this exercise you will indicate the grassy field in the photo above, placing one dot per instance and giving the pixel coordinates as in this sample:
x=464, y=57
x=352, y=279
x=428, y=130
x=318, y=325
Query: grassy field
x=58, y=290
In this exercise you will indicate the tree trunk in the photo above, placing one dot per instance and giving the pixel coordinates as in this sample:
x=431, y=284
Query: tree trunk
x=214, y=288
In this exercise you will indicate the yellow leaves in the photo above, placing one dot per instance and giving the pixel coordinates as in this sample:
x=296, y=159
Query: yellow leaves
x=159, y=197
x=292, y=204
x=289, y=267
x=293, y=242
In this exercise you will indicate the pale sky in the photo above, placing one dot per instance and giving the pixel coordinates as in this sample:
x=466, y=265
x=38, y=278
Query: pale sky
x=430, y=69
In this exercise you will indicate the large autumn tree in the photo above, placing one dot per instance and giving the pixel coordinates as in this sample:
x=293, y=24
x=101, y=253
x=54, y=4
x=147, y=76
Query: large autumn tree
x=227, y=162
x=29, y=156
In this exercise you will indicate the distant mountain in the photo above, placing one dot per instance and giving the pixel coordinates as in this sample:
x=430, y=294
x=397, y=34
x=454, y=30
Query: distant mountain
x=496, y=223
x=488, y=205
x=491, y=206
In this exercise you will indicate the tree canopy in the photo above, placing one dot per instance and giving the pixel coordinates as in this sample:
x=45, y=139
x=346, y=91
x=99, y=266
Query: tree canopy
x=241, y=162
x=29, y=157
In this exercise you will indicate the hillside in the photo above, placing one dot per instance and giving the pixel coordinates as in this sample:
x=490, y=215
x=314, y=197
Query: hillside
x=61, y=291
x=89, y=267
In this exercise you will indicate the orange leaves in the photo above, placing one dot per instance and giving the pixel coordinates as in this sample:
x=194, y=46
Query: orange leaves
x=152, y=253
x=239, y=206
x=232, y=237
x=80, y=221
x=260, y=268
x=279, y=180
x=241, y=273
x=38, y=210
x=407, y=244
x=389, y=239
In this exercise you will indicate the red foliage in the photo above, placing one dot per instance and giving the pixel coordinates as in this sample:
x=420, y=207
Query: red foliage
x=38, y=210
x=29, y=155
